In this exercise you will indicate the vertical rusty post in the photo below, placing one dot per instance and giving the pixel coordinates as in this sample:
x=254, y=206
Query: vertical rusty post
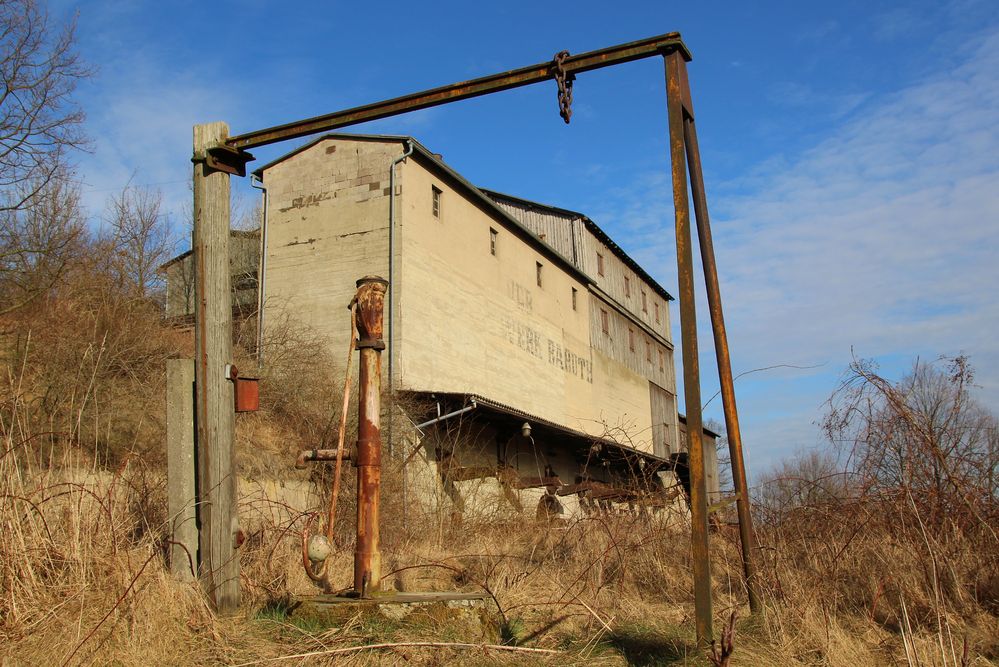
x=370, y=316
x=747, y=536
x=678, y=108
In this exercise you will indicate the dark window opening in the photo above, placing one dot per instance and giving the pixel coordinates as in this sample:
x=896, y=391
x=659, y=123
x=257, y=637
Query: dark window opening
x=437, y=200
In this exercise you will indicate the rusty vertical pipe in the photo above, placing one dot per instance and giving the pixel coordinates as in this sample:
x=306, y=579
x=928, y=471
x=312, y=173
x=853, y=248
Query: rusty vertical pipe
x=678, y=108
x=747, y=536
x=370, y=317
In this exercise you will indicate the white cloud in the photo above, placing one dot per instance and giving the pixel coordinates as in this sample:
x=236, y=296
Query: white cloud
x=883, y=237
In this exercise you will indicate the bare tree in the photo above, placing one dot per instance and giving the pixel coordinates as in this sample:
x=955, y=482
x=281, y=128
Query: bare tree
x=924, y=437
x=39, y=241
x=39, y=121
x=139, y=240
x=808, y=479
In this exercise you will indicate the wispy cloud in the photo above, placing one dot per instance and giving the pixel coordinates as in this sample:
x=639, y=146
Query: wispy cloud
x=895, y=22
x=882, y=238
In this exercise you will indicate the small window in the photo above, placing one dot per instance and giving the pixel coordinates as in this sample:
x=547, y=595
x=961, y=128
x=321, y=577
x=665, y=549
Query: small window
x=537, y=267
x=493, y=235
x=600, y=264
x=662, y=360
x=645, y=303
x=627, y=286
x=574, y=292
x=631, y=339
x=657, y=312
x=648, y=351
x=437, y=200
x=604, y=323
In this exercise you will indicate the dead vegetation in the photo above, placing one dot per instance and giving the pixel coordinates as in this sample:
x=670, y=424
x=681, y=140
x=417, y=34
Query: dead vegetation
x=859, y=568
x=886, y=554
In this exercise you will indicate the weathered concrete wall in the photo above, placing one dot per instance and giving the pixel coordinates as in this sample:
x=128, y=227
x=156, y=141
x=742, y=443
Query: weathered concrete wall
x=469, y=314
x=327, y=222
x=501, y=334
x=576, y=240
x=244, y=258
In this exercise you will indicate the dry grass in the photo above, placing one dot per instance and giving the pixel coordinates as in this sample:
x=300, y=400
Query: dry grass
x=83, y=578
x=85, y=582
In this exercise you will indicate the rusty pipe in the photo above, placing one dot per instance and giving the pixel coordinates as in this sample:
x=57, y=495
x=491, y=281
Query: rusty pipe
x=314, y=455
x=747, y=537
x=493, y=83
x=341, y=432
x=311, y=455
x=370, y=317
x=678, y=107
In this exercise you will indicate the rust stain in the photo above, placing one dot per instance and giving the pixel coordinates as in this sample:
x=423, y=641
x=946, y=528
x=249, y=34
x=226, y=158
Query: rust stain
x=305, y=201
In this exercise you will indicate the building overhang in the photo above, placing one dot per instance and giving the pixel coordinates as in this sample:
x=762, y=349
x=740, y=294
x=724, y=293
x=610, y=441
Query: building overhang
x=508, y=417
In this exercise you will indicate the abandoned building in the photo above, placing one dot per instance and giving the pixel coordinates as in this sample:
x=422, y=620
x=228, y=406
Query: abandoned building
x=244, y=260
x=533, y=354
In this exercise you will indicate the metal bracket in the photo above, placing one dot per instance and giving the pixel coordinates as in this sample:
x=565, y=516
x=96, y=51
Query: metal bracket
x=370, y=343
x=225, y=159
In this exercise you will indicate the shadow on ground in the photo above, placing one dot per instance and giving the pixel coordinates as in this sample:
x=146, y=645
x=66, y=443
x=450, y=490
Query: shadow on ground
x=645, y=648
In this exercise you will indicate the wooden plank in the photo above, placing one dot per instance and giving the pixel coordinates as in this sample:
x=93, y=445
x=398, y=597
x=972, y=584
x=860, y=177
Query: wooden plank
x=219, y=561
x=391, y=597
x=180, y=468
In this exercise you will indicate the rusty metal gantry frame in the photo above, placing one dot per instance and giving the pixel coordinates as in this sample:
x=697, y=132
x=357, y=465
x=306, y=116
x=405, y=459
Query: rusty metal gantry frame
x=228, y=155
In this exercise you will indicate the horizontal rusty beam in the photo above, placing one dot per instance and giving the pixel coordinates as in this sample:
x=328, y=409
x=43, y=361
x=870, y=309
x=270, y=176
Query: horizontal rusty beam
x=537, y=482
x=584, y=62
x=599, y=490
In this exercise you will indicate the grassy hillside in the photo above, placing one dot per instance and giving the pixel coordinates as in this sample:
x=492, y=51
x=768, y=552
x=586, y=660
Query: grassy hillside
x=858, y=568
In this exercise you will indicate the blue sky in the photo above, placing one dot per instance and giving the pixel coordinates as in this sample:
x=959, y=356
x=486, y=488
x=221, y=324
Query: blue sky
x=851, y=151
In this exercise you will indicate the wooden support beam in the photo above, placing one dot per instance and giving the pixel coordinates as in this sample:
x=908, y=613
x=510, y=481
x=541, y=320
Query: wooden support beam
x=218, y=521
x=181, y=484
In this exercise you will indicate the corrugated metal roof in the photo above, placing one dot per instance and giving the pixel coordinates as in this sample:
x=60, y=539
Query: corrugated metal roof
x=595, y=229
x=707, y=431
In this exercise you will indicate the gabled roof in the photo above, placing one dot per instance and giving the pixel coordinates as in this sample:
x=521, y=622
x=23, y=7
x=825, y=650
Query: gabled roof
x=477, y=196
x=486, y=198
x=594, y=229
x=246, y=233
x=707, y=431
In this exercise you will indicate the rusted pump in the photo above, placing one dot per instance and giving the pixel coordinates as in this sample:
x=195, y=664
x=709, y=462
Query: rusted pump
x=367, y=316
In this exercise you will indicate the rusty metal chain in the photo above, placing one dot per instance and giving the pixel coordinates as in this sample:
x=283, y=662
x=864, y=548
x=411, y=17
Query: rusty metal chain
x=564, y=80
